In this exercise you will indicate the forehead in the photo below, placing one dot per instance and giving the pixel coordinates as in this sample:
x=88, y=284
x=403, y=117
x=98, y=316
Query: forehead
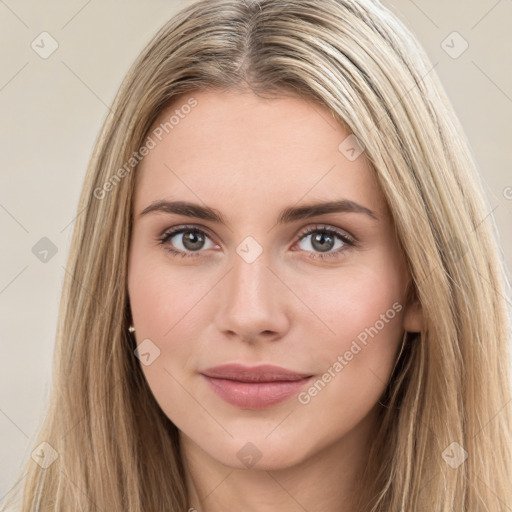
x=229, y=121
x=228, y=144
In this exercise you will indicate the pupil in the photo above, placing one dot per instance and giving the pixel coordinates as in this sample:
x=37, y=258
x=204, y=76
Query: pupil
x=192, y=240
x=319, y=242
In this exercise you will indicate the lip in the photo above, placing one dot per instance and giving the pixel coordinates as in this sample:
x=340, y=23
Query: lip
x=260, y=373
x=254, y=387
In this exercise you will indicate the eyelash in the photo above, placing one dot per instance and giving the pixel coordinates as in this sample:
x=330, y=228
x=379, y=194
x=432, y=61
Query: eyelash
x=347, y=241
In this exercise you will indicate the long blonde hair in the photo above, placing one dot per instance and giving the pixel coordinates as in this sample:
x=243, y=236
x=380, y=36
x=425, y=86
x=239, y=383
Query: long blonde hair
x=449, y=396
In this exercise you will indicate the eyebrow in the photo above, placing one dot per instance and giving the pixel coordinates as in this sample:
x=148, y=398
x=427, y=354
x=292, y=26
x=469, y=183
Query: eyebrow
x=288, y=215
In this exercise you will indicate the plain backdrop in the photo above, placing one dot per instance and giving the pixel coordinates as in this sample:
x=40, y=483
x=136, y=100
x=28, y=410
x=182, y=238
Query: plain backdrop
x=52, y=109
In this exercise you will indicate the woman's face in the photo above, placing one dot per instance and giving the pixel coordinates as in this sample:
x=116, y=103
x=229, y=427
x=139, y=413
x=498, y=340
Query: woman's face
x=256, y=275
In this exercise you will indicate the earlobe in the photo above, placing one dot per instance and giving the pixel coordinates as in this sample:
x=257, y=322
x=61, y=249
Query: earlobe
x=413, y=317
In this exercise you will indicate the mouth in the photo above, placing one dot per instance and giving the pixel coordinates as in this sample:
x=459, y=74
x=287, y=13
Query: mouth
x=254, y=387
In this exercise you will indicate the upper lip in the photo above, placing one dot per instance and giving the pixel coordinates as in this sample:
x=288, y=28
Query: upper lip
x=261, y=373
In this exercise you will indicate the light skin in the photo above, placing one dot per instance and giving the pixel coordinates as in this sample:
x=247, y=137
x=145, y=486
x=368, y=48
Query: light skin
x=249, y=158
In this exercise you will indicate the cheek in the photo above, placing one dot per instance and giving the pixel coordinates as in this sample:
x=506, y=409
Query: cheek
x=167, y=305
x=163, y=297
x=363, y=308
x=355, y=298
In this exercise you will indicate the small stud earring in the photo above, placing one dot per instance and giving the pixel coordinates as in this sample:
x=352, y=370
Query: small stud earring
x=131, y=328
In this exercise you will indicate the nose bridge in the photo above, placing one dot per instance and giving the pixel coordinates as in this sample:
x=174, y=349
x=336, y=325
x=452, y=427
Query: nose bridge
x=249, y=279
x=251, y=301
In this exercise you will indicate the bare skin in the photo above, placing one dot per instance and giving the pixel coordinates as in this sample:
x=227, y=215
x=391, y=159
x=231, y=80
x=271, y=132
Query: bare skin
x=249, y=158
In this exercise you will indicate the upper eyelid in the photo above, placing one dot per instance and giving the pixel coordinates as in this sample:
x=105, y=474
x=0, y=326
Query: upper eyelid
x=175, y=230
x=320, y=227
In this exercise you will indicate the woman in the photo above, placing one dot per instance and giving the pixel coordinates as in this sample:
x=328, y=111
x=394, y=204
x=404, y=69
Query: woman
x=285, y=291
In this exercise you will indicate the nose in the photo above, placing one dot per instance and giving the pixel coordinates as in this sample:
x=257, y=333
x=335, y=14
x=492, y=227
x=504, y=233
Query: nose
x=253, y=302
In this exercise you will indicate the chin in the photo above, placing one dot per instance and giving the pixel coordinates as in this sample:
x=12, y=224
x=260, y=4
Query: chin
x=259, y=454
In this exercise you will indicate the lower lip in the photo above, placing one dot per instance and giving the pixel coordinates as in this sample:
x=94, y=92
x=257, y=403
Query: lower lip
x=255, y=395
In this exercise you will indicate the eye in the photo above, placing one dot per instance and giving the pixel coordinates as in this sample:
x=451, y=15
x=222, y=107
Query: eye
x=188, y=241
x=192, y=242
x=325, y=239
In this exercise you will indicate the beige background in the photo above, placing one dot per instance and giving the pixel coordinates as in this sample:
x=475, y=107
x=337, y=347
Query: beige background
x=52, y=110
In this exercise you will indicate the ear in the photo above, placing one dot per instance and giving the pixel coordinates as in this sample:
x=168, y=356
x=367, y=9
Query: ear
x=413, y=320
